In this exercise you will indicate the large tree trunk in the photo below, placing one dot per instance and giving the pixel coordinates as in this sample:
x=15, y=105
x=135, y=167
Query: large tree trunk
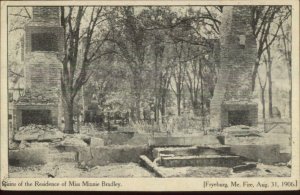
x=68, y=117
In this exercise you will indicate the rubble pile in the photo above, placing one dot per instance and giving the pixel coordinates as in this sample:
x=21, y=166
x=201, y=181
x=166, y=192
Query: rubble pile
x=35, y=132
x=71, y=140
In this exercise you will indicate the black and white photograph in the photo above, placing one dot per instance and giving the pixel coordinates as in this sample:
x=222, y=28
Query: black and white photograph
x=151, y=91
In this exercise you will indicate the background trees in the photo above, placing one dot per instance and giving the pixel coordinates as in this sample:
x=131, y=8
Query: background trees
x=267, y=23
x=154, y=61
x=84, y=28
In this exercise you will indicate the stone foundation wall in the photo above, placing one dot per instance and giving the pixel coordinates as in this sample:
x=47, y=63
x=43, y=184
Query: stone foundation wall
x=105, y=155
x=267, y=154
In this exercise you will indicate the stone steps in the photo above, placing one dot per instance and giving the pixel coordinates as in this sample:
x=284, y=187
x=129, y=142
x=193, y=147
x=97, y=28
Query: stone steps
x=206, y=160
x=190, y=151
x=216, y=155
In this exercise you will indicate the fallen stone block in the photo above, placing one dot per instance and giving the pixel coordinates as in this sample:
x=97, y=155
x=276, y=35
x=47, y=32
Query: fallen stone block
x=28, y=157
x=96, y=142
x=244, y=167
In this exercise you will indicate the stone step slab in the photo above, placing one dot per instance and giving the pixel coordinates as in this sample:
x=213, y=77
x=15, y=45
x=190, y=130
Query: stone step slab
x=190, y=151
x=209, y=160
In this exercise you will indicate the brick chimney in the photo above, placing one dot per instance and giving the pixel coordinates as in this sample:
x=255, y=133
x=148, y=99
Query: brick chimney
x=232, y=101
x=43, y=41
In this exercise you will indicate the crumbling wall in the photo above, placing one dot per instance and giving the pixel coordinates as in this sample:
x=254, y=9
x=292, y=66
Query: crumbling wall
x=104, y=155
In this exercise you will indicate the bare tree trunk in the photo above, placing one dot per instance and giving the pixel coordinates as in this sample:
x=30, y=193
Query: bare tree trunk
x=263, y=102
x=156, y=103
x=270, y=84
x=290, y=83
x=254, y=73
x=290, y=103
x=178, y=104
x=202, y=99
x=138, y=107
x=163, y=108
x=68, y=118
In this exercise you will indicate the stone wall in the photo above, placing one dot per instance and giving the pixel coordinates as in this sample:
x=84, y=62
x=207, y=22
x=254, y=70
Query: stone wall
x=237, y=57
x=104, y=155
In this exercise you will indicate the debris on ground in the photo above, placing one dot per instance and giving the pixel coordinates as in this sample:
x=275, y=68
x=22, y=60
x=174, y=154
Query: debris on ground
x=70, y=170
x=71, y=140
x=35, y=132
x=244, y=167
x=12, y=145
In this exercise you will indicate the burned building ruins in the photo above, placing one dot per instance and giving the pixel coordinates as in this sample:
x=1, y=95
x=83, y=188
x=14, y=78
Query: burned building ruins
x=43, y=40
x=232, y=103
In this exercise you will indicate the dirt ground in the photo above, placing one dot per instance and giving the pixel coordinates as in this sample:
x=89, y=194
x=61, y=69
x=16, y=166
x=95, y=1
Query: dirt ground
x=204, y=172
x=70, y=169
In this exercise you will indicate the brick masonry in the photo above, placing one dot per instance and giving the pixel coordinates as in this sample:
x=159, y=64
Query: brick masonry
x=237, y=57
x=42, y=68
